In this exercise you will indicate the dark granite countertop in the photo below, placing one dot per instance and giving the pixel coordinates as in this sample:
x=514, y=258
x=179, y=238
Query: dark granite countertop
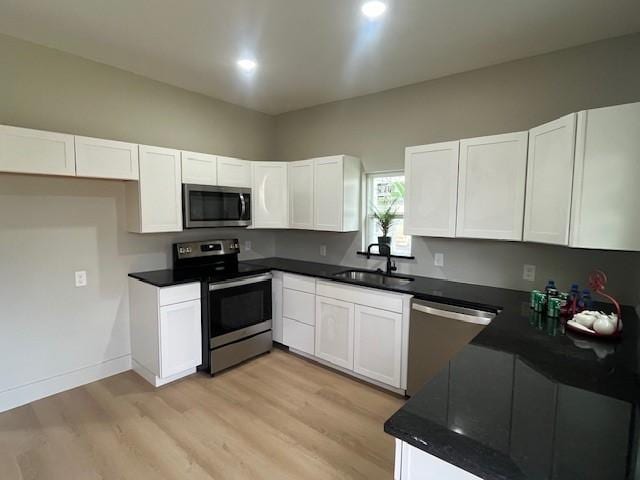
x=524, y=399
x=168, y=277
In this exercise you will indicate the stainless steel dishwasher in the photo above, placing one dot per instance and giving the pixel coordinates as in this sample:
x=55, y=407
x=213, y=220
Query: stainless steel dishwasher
x=436, y=333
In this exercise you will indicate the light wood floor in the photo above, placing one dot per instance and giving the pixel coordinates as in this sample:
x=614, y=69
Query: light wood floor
x=276, y=417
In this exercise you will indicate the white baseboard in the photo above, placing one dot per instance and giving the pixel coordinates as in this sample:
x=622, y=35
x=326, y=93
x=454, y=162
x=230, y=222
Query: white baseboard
x=351, y=373
x=24, y=394
x=156, y=381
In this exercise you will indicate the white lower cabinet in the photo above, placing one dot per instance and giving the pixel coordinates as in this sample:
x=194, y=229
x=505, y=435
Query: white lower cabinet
x=298, y=335
x=378, y=345
x=334, y=331
x=166, y=338
x=414, y=464
x=180, y=332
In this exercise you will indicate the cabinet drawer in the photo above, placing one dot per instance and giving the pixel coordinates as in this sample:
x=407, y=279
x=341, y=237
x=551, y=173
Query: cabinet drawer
x=299, y=282
x=298, y=335
x=179, y=293
x=370, y=297
x=300, y=306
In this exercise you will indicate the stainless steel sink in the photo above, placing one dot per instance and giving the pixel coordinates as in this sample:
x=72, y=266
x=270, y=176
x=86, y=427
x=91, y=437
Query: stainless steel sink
x=374, y=278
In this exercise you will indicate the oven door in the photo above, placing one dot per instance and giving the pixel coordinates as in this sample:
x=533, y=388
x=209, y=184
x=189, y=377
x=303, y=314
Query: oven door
x=239, y=309
x=207, y=206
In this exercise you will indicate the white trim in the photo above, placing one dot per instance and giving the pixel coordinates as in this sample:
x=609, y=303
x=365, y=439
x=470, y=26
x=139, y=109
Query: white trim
x=367, y=218
x=156, y=381
x=351, y=373
x=17, y=396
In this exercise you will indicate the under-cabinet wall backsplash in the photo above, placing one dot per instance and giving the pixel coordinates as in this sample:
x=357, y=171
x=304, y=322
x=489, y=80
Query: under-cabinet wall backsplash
x=483, y=262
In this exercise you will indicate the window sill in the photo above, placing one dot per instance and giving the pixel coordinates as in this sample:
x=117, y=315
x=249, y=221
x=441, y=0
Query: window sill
x=373, y=254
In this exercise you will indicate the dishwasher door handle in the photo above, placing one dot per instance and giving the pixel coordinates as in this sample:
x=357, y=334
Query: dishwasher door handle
x=462, y=317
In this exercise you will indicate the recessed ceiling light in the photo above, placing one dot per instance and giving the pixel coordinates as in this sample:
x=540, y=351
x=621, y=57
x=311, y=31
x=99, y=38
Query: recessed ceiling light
x=373, y=9
x=247, y=65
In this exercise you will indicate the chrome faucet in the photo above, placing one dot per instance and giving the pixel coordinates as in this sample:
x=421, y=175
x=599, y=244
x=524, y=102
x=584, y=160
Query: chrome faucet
x=383, y=249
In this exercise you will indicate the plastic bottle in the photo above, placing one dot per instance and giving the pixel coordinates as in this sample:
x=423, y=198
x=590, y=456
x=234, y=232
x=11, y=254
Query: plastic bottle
x=586, y=303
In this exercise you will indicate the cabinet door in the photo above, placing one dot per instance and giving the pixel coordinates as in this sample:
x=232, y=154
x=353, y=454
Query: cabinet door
x=180, y=337
x=431, y=179
x=98, y=158
x=334, y=331
x=199, y=168
x=491, y=186
x=301, y=189
x=328, y=193
x=233, y=172
x=23, y=150
x=378, y=345
x=549, y=180
x=605, y=191
x=160, y=190
x=269, y=195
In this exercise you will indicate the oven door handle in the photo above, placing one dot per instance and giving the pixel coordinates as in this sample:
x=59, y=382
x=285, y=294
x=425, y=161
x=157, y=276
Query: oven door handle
x=238, y=283
x=243, y=206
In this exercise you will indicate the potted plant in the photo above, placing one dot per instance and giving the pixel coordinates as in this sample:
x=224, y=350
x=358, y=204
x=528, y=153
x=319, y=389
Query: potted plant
x=385, y=218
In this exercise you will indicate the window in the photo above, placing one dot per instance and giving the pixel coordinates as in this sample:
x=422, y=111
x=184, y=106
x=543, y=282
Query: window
x=384, y=190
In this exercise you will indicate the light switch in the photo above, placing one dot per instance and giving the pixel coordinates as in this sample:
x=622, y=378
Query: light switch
x=247, y=245
x=323, y=250
x=81, y=278
x=529, y=273
x=438, y=259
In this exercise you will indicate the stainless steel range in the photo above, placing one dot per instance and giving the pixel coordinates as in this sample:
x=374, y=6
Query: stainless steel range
x=236, y=305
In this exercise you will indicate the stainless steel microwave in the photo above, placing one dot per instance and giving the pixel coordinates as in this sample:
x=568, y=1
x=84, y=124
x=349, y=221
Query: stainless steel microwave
x=207, y=206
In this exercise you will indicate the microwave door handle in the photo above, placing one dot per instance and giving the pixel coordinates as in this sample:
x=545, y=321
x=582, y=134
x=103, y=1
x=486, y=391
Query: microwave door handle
x=243, y=206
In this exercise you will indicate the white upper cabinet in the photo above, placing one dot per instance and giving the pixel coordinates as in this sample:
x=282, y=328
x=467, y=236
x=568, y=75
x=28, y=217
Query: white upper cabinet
x=549, y=180
x=199, y=168
x=155, y=202
x=431, y=173
x=606, y=197
x=337, y=193
x=233, y=172
x=269, y=195
x=301, y=194
x=334, y=331
x=23, y=150
x=100, y=158
x=378, y=345
x=491, y=186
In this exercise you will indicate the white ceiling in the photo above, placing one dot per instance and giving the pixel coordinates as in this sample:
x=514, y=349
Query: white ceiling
x=310, y=51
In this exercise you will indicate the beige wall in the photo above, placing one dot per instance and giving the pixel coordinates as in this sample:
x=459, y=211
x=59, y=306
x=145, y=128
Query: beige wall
x=51, y=90
x=504, y=98
x=53, y=226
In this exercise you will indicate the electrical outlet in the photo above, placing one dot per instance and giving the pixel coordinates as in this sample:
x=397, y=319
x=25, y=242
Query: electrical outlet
x=529, y=273
x=438, y=259
x=323, y=250
x=247, y=245
x=81, y=278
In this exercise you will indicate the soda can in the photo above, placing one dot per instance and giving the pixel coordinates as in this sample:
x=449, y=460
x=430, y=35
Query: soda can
x=564, y=299
x=553, y=308
x=534, y=293
x=540, y=302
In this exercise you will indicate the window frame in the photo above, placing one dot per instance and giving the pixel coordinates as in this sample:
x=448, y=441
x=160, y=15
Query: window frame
x=367, y=217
